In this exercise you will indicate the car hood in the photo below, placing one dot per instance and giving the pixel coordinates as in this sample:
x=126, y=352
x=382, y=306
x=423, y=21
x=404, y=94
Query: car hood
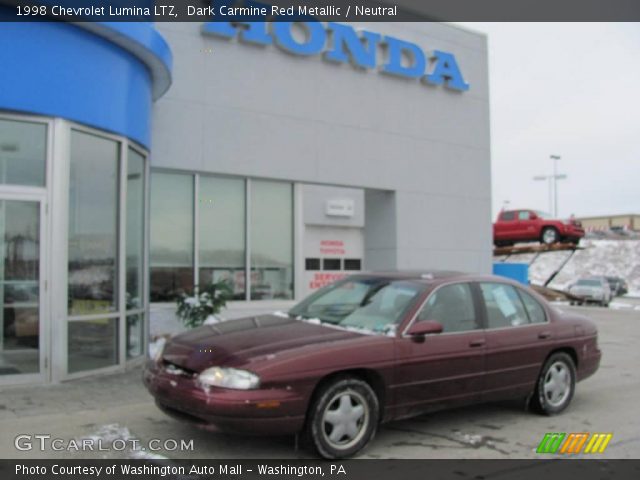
x=236, y=342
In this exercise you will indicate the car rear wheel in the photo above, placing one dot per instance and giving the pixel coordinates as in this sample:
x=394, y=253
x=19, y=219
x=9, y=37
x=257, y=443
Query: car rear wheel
x=556, y=384
x=550, y=235
x=343, y=419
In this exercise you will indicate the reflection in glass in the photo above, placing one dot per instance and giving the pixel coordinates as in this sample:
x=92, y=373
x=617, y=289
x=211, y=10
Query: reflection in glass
x=93, y=206
x=271, y=240
x=171, y=235
x=222, y=232
x=135, y=229
x=93, y=344
x=19, y=287
x=22, y=153
x=135, y=339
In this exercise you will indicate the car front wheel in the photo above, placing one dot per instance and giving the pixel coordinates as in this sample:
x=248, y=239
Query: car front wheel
x=343, y=419
x=556, y=384
x=550, y=235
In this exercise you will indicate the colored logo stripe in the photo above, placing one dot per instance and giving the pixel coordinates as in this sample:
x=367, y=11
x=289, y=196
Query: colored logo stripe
x=572, y=443
x=550, y=443
x=598, y=442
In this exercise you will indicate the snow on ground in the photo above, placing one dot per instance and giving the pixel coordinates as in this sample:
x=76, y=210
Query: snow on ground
x=620, y=258
x=117, y=438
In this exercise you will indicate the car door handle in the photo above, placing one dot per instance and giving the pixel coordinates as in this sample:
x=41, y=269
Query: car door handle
x=479, y=342
x=544, y=335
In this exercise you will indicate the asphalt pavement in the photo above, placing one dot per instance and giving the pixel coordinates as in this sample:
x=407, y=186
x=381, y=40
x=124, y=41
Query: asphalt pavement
x=117, y=410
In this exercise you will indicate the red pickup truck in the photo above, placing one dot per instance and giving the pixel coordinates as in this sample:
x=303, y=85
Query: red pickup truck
x=514, y=226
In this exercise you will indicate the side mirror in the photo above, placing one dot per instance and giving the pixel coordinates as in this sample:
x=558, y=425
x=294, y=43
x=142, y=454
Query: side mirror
x=425, y=327
x=533, y=216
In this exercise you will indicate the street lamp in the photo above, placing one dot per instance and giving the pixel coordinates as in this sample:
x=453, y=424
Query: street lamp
x=553, y=184
x=546, y=177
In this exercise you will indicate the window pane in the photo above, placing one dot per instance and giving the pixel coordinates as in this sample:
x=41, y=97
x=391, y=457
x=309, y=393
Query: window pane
x=171, y=235
x=331, y=264
x=222, y=232
x=93, y=344
x=534, y=309
x=452, y=306
x=135, y=229
x=271, y=240
x=312, y=264
x=93, y=232
x=504, y=308
x=524, y=215
x=352, y=264
x=135, y=338
x=22, y=153
x=19, y=289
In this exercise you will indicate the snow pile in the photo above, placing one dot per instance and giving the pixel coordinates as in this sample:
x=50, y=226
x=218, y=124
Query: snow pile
x=619, y=258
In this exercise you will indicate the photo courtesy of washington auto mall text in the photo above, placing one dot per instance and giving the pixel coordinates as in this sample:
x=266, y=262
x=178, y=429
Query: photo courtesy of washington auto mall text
x=359, y=239
x=200, y=470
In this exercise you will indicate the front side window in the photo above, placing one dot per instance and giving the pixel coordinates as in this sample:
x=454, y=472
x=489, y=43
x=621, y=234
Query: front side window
x=372, y=304
x=452, y=306
x=503, y=304
x=524, y=215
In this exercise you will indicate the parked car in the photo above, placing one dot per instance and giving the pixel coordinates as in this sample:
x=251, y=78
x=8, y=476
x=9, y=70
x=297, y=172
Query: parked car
x=592, y=289
x=618, y=286
x=370, y=349
x=514, y=226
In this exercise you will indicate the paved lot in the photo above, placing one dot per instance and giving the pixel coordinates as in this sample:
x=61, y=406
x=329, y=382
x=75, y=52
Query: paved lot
x=117, y=407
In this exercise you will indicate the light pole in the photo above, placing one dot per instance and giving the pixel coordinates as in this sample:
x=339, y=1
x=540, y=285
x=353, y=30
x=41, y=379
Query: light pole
x=547, y=177
x=553, y=184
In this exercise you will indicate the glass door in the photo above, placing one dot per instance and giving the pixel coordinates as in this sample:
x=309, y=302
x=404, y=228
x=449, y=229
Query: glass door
x=22, y=355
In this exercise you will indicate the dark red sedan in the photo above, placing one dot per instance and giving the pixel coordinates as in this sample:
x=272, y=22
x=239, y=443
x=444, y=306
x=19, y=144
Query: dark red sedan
x=374, y=348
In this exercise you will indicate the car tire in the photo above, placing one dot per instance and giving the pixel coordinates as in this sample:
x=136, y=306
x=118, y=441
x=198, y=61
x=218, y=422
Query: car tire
x=549, y=236
x=556, y=385
x=343, y=418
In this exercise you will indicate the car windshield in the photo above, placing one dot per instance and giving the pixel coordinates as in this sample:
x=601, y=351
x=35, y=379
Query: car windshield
x=589, y=283
x=364, y=303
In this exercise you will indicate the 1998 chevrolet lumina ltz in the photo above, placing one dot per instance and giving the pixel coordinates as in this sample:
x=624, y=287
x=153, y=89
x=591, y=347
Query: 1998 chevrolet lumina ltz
x=374, y=348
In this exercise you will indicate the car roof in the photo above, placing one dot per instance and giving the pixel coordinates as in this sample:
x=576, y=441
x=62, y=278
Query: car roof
x=428, y=276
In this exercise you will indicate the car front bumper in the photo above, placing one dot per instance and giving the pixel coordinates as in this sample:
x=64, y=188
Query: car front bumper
x=255, y=412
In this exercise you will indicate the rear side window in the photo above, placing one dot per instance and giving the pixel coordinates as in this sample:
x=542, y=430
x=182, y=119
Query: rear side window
x=533, y=307
x=508, y=216
x=503, y=304
x=452, y=306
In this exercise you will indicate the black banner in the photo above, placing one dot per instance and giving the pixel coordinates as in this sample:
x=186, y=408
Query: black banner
x=561, y=469
x=321, y=10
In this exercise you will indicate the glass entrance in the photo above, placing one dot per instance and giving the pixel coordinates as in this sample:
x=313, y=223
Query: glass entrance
x=20, y=289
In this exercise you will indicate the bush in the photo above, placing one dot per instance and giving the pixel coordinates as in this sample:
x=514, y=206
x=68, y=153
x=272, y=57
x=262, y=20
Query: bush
x=194, y=309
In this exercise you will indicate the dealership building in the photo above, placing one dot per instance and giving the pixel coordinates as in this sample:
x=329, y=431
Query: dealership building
x=140, y=161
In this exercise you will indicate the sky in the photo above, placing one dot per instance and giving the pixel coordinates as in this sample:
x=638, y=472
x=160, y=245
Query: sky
x=567, y=89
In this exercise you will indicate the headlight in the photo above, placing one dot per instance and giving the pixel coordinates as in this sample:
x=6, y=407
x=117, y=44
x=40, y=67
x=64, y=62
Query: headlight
x=229, y=378
x=157, y=348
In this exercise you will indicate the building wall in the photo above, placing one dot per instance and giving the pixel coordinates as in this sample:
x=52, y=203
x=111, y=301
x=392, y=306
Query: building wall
x=605, y=222
x=422, y=153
